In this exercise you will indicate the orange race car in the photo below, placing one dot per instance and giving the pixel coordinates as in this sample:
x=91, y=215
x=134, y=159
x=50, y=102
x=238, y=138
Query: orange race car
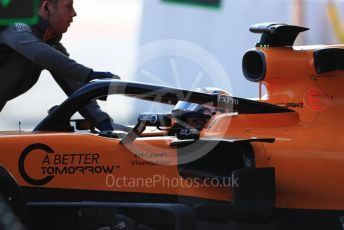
x=214, y=162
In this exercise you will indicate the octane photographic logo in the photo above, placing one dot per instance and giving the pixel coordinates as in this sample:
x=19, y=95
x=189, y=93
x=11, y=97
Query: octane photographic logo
x=175, y=64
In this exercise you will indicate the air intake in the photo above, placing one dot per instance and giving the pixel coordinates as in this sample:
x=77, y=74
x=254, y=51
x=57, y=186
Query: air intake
x=254, y=65
x=327, y=60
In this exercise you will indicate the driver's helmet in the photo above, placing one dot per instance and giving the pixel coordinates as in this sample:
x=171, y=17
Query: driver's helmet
x=197, y=115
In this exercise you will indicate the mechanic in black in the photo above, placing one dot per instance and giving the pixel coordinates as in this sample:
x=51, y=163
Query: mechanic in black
x=25, y=51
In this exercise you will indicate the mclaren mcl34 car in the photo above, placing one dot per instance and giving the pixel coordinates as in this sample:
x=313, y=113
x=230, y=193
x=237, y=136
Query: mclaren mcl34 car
x=215, y=162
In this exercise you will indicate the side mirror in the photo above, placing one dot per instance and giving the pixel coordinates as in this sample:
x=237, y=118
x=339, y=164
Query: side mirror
x=156, y=119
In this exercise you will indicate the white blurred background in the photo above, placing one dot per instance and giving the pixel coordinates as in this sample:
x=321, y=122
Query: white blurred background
x=107, y=31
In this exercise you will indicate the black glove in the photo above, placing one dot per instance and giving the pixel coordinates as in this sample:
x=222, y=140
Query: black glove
x=101, y=75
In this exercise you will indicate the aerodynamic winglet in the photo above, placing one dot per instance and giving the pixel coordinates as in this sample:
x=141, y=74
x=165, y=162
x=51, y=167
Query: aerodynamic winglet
x=277, y=34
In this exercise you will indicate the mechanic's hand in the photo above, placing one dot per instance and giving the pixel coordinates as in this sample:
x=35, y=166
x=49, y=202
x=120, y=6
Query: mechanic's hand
x=101, y=75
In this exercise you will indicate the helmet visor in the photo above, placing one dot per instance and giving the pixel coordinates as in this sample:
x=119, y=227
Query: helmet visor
x=193, y=107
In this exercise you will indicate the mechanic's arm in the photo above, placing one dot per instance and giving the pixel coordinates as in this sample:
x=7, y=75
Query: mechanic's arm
x=91, y=111
x=24, y=42
x=93, y=74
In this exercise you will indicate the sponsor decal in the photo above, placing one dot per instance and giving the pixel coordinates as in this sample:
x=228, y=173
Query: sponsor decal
x=53, y=164
x=294, y=105
x=188, y=134
x=227, y=100
x=150, y=159
x=291, y=105
x=316, y=100
x=22, y=27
